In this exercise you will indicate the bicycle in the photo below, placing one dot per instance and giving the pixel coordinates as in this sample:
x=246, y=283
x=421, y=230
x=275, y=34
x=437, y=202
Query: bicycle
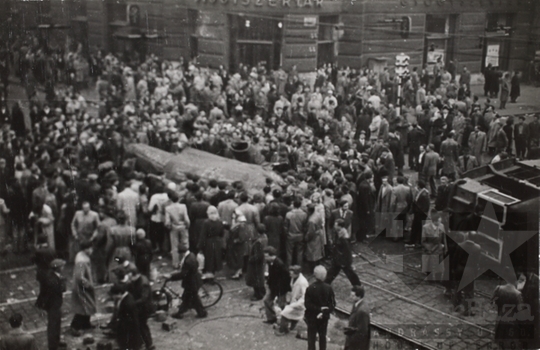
x=210, y=293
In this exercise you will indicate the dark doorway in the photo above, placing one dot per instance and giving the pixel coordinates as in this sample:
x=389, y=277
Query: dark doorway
x=325, y=54
x=256, y=40
x=251, y=54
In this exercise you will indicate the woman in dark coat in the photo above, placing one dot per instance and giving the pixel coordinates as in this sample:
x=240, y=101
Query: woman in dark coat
x=515, y=91
x=211, y=241
x=255, y=268
x=17, y=120
x=273, y=223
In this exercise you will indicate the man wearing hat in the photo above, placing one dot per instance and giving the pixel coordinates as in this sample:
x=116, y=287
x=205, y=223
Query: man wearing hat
x=320, y=303
x=50, y=299
x=139, y=287
x=191, y=282
x=279, y=283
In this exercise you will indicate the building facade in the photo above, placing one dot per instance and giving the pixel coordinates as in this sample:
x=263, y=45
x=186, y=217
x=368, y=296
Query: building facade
x=305, y=33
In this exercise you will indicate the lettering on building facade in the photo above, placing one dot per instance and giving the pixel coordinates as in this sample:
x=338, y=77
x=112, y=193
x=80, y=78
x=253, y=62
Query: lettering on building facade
x=269, y=3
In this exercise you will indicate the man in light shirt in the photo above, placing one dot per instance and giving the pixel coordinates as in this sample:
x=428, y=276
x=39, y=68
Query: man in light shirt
x=157, y=206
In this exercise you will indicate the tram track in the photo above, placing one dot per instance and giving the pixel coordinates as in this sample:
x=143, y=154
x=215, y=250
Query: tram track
x=415, y=343
x=409, y=267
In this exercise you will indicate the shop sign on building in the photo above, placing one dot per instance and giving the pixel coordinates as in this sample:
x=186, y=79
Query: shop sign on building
x=310, y=21
x=492, y=55
x=267, y=3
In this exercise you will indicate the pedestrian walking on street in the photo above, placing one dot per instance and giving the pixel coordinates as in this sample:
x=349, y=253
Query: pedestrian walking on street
x=191, y=282
x=177, y=222
x=17, y=338
x=505, y=90
x=142, y=253
x=295, y=229
x=420, y=210
x=507, y=298
x=4, y=217
x=320, y=303
x=515, y=90
x=83, y=295
x=367, y=198
x=255, y=266
x=521, y=137
x=139, y=288
x=431, y=162
x=357, y=332
x=433, y=244
x=83, y=227
x=128, y=334
x=240, y=237
x=50, y=299
x=314, y=237
x=341, y=255
x=294, y=311
x=279, y=283
x=478, y=143
x=211, y=242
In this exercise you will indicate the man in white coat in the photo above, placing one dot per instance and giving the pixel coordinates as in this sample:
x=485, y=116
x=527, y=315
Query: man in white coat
x=294, y=311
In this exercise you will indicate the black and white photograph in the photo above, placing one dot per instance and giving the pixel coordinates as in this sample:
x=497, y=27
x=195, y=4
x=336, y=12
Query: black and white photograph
x=269, y=174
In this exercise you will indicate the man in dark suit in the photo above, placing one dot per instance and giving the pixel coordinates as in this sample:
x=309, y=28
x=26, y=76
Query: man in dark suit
x=448, y=119
x=443, y=195
x=431, y=161
x=421, y=205
x=50, y=299
x=521, y=137
x=341, y=255
x=320, y=303
x=279, y=283
x=363, y=145
x=17, y=338
x=366, y=207
x=128, y=333
x=139, y=287
x=191, y=282
x=415, y=138
x=357, y=331
x=345, y=214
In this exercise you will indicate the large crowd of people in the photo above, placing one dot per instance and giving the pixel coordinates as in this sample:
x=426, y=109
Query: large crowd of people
x=338, y=142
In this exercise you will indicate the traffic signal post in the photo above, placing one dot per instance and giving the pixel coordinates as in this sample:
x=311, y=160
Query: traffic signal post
x=402, y=72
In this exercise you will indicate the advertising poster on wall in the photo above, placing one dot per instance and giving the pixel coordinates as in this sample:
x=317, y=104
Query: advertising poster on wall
x=434, y=58
x=492, y=55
